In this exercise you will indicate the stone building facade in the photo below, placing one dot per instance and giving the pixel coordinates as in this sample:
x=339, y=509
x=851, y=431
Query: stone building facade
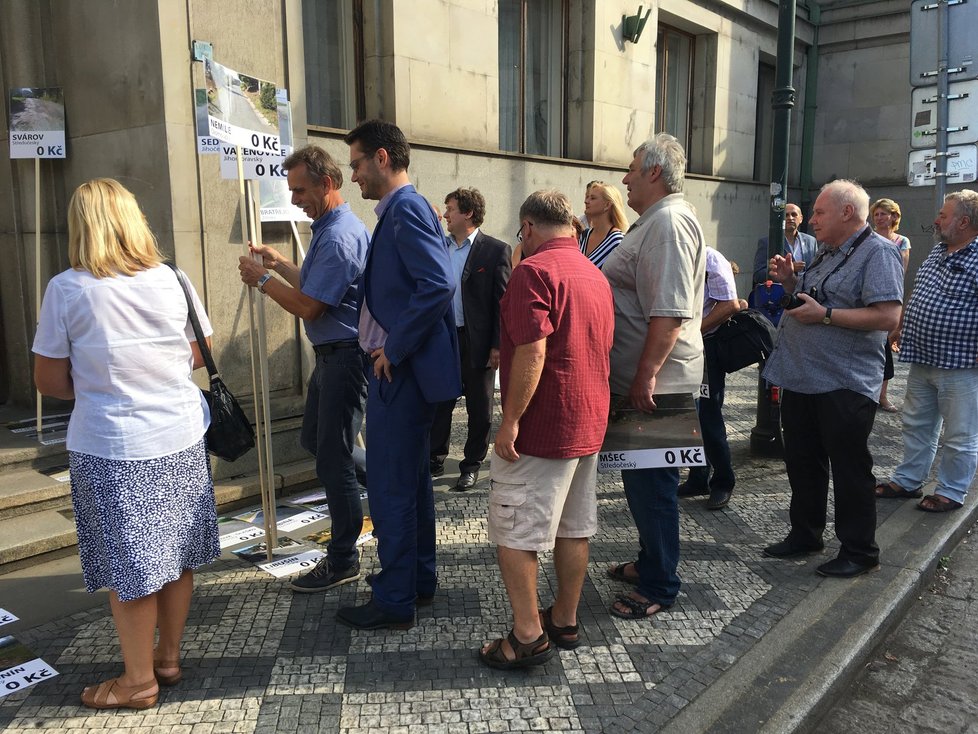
x=508, y=96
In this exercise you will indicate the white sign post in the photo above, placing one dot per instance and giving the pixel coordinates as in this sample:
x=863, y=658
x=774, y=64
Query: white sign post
x=37, y=130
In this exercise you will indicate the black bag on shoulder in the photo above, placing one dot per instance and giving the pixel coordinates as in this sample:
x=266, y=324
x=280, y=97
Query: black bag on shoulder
x=230, y=434
x=746, y=338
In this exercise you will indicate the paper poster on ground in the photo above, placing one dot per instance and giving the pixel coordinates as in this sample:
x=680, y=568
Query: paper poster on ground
x=20, y=667
x=37, y=122
x=287, y=518
x=232, y=531
x=241, y=109
x=7, y=617
x=669, y=436
x=289, y=557
x=322, y=537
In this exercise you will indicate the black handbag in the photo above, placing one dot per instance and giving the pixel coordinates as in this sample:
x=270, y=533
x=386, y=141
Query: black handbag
x=230, y=435
x=746, y=338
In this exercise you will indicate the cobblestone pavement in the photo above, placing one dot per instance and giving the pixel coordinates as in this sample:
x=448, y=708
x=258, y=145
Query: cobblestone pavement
x=924, y=677
x=259, y=659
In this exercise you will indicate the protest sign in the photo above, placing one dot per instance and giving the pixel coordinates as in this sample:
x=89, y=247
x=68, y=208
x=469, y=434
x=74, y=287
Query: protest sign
x=286, y=518
x=7, y=617
x=206, y=143
x=667, y=437
x=241, y=109
x=37, y=122
x=20, y=667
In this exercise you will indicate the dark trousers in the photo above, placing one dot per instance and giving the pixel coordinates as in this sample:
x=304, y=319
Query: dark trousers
x=831, y=430
x=402, y=505
x=330, y=424
x=715, y=446
x=478, y=385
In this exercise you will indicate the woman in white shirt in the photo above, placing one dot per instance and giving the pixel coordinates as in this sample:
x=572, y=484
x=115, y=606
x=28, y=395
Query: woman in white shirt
x=113, y=335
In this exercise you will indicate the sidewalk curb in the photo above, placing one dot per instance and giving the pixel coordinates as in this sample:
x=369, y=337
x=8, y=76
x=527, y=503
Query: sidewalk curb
x=790, y=678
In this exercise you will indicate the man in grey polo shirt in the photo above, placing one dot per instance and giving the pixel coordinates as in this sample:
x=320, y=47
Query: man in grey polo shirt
x=828, y=361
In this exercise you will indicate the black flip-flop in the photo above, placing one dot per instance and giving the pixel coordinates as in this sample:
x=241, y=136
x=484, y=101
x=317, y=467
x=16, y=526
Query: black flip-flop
x=618, y=573
x=636, y=609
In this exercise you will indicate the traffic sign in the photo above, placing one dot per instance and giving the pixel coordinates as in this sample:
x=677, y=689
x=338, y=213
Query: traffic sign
x=962, y=45
x=962, y=107
x=962, y=165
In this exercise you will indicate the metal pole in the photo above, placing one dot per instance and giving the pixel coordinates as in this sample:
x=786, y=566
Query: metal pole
x=765, y=436
x=37, y=275
x=940, y=161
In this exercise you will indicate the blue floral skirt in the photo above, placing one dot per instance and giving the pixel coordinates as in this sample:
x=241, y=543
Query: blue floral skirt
x=141, y=523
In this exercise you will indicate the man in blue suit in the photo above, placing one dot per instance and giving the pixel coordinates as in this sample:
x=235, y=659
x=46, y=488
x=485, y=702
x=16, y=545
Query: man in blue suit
x=407, y=327
x=801, y=246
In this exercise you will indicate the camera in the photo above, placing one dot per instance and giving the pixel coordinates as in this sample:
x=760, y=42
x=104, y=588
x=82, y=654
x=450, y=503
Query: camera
x=790, y=300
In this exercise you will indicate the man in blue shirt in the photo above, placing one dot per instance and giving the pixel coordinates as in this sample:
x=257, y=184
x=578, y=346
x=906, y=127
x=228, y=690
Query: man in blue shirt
x=325, y=293
x=801, y=246
x=828, y=361
x=939, y=338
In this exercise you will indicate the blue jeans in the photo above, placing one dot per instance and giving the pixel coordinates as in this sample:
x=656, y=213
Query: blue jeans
x=332, y=419
x=715, y=446
x=652, y=498
x=935, y=396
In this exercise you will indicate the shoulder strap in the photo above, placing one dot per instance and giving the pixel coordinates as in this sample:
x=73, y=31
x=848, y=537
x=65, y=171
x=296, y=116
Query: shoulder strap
x=195, y=323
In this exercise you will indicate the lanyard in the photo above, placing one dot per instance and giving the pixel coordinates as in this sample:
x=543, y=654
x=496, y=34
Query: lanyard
x=859, y=240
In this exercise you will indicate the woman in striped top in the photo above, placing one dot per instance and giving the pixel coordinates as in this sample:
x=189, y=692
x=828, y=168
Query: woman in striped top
x=606, y=222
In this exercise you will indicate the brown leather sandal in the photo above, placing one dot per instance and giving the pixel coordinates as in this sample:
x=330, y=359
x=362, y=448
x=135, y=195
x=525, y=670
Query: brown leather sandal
x=536, y=652
x=97, y=697
x=167, y=680
x=566, y=638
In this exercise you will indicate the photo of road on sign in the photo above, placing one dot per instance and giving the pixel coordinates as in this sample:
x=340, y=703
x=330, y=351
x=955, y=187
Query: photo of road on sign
x=241, y=109
x=37, y=122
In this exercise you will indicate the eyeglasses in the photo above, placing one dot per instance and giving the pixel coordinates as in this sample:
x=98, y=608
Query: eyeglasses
x=355, y=163
x=519, y=232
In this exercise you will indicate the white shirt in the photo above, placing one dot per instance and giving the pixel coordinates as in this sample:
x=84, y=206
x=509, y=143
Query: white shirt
x=128, y=341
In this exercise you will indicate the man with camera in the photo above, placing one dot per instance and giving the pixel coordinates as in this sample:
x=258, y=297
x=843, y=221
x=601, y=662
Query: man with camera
x=828, y=362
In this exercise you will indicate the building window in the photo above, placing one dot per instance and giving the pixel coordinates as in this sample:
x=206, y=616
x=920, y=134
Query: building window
x=532, y=43
x=674, y=75
x=764, y=123
x=332, y=32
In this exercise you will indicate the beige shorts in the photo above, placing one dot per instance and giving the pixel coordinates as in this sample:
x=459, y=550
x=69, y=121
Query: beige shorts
x=534, y=501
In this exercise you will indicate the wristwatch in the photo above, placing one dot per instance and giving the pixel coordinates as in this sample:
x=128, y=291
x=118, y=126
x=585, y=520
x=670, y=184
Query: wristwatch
x=267, y=277
x=826, y=319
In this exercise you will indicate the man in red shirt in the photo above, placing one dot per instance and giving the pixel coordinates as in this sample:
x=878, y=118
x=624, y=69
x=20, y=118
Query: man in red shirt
x=557, y=323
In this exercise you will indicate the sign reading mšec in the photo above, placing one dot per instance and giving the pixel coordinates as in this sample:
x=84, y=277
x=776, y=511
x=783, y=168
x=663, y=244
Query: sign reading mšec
x=667, y=437
x=37, y=122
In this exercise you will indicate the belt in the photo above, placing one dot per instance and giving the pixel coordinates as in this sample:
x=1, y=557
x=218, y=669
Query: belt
x=330, y=347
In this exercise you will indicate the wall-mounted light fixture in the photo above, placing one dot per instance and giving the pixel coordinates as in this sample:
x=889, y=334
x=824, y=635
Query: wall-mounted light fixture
x=632, y=26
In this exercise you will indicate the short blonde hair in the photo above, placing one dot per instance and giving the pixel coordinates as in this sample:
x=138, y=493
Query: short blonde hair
x=107, y=231
x=890, y=207
x=613, y=197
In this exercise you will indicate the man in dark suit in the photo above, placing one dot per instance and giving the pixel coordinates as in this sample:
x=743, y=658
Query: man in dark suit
x=408, y=330
x=482, y=266
x=801, y=246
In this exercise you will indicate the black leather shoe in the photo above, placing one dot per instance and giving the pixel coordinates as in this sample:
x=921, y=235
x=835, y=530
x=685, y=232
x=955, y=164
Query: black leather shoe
x=437, y=468
x=420, y=600
x=466, y=481
x=688, y=490
x=718, y=500
x=787, y=549
x=843, y=568
x=369, y=617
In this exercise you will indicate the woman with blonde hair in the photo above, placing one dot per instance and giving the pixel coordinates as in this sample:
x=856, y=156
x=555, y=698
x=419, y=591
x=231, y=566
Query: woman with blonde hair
x=605, y=214
x=113, y=335
x=885, y=215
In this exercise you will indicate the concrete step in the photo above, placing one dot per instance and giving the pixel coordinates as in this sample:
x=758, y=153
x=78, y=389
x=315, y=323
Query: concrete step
x=40, y=533
x=28, y=491
x=27, y=534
